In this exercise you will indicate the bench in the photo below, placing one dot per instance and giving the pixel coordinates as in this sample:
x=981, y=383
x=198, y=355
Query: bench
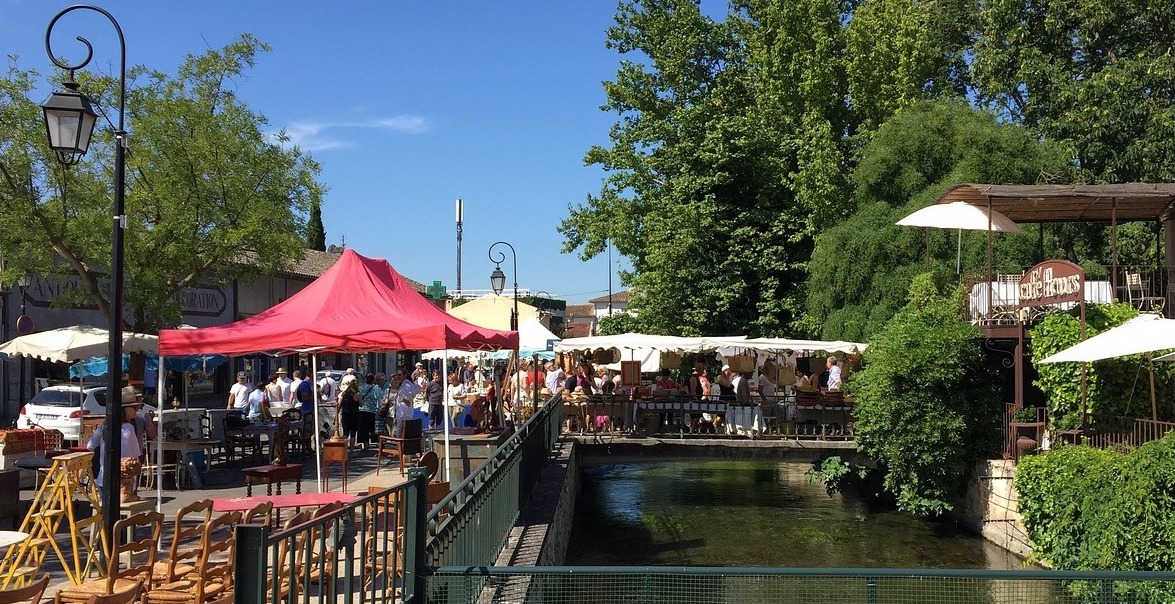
x=273, y=474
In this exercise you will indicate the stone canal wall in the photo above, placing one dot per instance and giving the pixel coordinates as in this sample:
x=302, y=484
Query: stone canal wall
x=543, y=530
x=990, y=507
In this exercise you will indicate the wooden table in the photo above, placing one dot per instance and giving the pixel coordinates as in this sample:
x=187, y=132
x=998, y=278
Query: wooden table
x=271, y=474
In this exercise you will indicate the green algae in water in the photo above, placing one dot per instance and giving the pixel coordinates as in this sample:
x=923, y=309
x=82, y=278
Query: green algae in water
x=753, y=513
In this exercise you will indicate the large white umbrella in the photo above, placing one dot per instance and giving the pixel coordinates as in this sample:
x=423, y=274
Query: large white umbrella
x=1143, y=334
x=960, y=216
x=75, y=343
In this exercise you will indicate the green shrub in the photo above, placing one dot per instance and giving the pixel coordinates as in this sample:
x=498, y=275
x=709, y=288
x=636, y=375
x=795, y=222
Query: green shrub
x=927, y=403
x=1090, y=509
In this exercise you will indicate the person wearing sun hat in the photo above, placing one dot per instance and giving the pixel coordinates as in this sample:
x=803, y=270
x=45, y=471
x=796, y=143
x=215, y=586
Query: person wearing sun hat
x=130, y=448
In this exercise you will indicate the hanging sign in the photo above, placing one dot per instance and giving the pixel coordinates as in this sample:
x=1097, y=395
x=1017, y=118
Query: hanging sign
x=1052, y=282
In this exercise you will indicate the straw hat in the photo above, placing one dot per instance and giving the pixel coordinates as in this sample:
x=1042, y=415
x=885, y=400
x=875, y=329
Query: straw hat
x=130, y=397
x=578, y=395
x=281, y=370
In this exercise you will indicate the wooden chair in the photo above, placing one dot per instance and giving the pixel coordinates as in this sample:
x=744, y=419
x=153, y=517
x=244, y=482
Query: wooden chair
x=431, y=464
x=119, y=579
x=185, y=543
x=299, y=439
x=409, y=442
x=262, y=512
x=119, y=597
x=286, y=550
x=214, y=570
x=235, y=437
x=317, y=562
x=29, y=594
x=385, y=539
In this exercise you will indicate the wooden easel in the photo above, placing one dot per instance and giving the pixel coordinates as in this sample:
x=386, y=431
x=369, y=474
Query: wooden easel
x=69, y=475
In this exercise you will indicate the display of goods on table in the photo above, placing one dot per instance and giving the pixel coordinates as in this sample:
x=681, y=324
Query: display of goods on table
x=30, y=440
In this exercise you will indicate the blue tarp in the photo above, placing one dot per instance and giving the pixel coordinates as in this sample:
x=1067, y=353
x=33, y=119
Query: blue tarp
x=96, y=366
x=526, y=353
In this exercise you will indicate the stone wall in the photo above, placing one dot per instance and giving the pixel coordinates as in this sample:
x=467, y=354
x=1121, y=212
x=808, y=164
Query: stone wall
x=990, y=507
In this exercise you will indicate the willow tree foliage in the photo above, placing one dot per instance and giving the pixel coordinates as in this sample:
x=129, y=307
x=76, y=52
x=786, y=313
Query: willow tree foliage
x=864, y=264
x=210, y=197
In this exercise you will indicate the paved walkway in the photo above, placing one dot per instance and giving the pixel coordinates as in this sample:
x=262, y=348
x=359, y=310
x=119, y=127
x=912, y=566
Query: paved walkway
x=227, y=480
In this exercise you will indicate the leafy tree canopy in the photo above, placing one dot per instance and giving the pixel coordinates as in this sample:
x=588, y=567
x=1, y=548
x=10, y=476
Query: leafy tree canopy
x=210, y=197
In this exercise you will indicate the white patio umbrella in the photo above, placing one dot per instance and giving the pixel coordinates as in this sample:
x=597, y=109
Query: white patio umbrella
x=67, y=344
x=960, y=216
x=1143, y=334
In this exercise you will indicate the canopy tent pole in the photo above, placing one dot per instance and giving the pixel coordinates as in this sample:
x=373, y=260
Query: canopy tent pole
x=317, y=435
x=159, y=438
x=447, y=411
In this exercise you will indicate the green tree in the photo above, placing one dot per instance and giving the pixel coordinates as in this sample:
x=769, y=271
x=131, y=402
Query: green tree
x=315, y=232
x=618, y=323
x=926, y=400
x=861, y=268
x=210, y=198
x=1099, y=75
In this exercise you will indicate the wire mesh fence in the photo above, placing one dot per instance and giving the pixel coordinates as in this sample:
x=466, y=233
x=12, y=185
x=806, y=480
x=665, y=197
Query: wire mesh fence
x=814, y=586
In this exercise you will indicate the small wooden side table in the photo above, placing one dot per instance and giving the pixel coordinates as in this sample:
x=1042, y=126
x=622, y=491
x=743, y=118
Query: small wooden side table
x=271, y=474
x=333, y=452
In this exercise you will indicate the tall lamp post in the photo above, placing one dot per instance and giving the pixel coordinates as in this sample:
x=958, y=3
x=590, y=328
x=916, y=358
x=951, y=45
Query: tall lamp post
x=69, y=122
x=498, y=283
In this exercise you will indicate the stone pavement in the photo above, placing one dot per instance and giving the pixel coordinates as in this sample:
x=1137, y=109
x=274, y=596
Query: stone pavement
x=226, y=480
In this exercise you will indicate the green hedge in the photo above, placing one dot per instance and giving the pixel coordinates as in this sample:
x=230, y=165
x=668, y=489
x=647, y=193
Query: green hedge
x=1092, y=509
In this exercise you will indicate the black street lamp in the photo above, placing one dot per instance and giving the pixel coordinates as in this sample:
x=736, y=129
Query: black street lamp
x=69, y=122
x=498, y=283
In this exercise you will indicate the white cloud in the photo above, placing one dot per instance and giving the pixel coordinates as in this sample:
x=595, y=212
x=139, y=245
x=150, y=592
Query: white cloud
x=323, y=136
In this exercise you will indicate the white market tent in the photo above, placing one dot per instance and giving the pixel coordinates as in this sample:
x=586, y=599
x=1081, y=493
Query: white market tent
x=75, y=343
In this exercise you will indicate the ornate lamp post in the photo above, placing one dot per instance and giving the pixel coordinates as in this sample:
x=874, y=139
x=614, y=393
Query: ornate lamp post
x=69, y=122
x=498, y=283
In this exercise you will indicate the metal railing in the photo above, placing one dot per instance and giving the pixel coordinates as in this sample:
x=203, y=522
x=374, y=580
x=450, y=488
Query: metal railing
x=567, y=584
x=470, y=525
x=1147, y=288
x=1107, y=432
x=360, y=552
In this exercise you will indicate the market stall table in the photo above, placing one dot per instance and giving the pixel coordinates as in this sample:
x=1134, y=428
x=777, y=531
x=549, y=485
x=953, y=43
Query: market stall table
x=744, y=420
x=8, y=538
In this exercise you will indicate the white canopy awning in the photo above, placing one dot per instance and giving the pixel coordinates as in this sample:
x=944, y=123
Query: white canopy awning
x=68, y=344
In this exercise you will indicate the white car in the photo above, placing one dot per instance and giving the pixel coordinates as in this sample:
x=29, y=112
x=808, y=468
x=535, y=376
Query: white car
x=62, y=408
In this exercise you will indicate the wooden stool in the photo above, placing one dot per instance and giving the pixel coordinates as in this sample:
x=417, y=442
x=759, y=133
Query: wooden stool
x=271, y=474
x=333, y=452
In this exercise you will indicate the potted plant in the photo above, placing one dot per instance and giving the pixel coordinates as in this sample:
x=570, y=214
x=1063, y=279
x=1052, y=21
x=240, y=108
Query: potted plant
x=1024, y=415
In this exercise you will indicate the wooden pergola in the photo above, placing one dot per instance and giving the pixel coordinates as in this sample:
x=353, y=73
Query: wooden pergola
x=1109, y=204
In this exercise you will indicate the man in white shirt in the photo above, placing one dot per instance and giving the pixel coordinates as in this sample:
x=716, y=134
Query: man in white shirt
x=328, y=388
x=406, y=390
x=284, y=382
x=555, y=378
x=833, y=374
x=291, y=397
x=238, y=394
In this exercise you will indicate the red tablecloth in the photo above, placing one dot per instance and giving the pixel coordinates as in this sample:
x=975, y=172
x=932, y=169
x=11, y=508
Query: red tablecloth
x=240, y=504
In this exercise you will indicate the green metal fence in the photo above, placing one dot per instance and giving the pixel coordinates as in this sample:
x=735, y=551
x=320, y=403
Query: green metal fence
x=471, y=524
x=573, y=584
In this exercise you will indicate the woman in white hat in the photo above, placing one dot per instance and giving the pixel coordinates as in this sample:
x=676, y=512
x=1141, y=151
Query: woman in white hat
x=130, y=450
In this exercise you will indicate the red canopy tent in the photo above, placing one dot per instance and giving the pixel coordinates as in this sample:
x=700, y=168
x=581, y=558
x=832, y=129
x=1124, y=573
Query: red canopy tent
x=359, y=304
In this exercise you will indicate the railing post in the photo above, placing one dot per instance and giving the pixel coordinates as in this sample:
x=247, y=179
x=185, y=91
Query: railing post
x=415, y=564
x=251, y=567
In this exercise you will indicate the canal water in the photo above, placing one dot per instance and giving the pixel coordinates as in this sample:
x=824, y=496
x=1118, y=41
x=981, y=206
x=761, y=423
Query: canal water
x=754, y=513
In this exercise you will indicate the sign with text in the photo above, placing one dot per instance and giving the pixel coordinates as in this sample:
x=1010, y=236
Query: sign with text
x=198, y=300
x=1051, y=282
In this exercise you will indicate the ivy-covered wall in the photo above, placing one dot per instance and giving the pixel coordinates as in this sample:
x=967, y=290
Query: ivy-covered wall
x=1115, y=387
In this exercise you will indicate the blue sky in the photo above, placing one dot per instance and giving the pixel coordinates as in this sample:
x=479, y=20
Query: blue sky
x=408, y=106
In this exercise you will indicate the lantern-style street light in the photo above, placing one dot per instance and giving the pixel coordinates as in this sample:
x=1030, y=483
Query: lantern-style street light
x=498, y=283
x=69, y=123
